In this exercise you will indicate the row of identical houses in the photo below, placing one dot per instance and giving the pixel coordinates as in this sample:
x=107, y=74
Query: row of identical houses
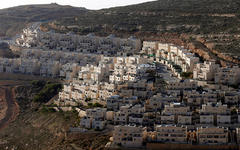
x=171, y=55
x=135, y=136
x=177, y=58
x=210, y=71
x=180, y=60
x=191, y=114
x=110, y=45
x=98, y=82
x=132, y=125
x=140, y=109
x=184, y=113
x=47, y=63
x=171, y=112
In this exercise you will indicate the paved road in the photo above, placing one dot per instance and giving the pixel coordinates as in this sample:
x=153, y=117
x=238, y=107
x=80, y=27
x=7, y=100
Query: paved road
x=166, y=74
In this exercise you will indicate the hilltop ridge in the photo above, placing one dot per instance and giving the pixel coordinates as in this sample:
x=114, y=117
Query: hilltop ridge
x=14, y=19
x=212, y=24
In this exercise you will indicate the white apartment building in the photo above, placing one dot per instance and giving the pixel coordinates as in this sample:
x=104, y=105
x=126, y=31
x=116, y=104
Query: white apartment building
x=207, y=119
x=149, y=47
x=227, y=75
x=120, y=118
x=171, y=134
x=86, y=122
x=197, y=98
x=92, y=123
x=238, y=135
x=115, y=102
x=99, y=124
x=90, y=43
x=96, y=113
x=158, y=101
x=223, y=119
x=212, y=135
x=218, y=108
x=168, y=119
x=128, y=136
x=125, y=69
x=193, y=97
x=176, y=109
x=136, y=119
x=164, y=46
x=182, y=85
x=205, y=71
x=123, y=115
x=231, y=97
x=184, y=120
x=174, y=55
x=94, y=73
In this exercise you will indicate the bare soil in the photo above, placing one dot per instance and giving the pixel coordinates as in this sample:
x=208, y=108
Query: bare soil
x=26, y=127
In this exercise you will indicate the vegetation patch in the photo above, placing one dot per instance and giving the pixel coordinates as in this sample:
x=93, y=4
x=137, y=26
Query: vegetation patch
x=91, y=105
x=48, y=91
x=187, y=75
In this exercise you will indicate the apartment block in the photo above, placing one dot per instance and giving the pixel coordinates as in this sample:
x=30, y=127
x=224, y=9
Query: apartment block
x=171, y=134
x=128, y=136
x=212, y=135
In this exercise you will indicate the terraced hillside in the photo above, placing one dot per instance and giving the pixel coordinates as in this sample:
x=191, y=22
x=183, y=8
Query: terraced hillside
x=13, y=20
x=213, y=24
x=37, y=126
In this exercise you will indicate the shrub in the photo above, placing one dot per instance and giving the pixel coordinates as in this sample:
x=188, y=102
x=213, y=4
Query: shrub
x=186, y=74
x=90, y=104
x=48, y=91
x=38, y=83
x=47, y=109
x=97, y=105
x=88, y=99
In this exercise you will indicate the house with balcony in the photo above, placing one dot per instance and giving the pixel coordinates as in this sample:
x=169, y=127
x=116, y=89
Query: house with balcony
x=171, y=134
x=205, y=71
x=212, y=135
x=128, y=136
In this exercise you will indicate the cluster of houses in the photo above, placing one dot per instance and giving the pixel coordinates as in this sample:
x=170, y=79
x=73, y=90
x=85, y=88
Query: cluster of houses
x=177, y=58
x=135, y=136
x=183, y=113
x=52, y=54
x=113, y=81
x=108, y=46
x=210, y=71
x=128, y=69
x=181, y=60
x=47, y=63
x=211, y=117
x=96, y=83
x=95, y=119
x=179, y=112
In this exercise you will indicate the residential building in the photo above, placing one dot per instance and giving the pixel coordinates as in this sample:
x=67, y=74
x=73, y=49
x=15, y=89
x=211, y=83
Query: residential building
x=212, y=135
x=171, y=134
x=205, y=71
x=128, y=136
x=227, y=75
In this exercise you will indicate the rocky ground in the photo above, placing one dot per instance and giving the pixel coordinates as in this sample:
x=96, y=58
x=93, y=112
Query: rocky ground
x=5, y=51
x=3, y=104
